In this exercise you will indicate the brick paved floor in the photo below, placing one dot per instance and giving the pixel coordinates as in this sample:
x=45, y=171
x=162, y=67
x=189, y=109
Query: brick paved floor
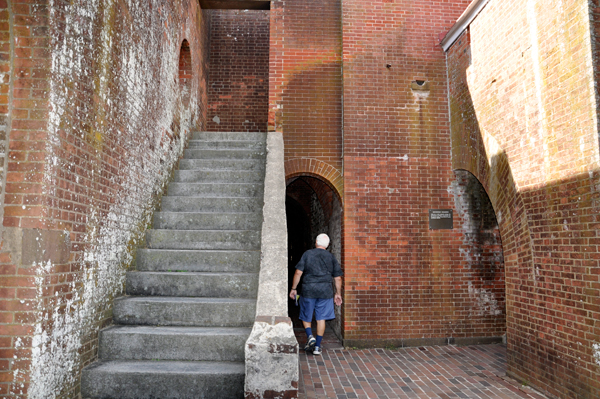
x=427, y=372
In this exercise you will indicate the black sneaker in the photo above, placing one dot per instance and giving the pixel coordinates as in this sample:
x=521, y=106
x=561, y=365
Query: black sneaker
x=310, y=345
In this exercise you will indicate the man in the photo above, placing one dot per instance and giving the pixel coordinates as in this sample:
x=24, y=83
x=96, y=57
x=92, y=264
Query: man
x=319, y=268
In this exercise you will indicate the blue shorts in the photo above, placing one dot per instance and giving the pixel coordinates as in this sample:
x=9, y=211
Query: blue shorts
x=322, y=308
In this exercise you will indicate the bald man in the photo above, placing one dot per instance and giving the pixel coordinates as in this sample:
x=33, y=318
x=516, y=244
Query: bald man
x=319, y=268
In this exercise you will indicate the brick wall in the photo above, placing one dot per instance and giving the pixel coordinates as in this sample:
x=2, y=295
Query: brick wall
x=5, y=80
x=99, y=118
x=239, y=71
x=306, y=86
x=305, y=104
x=524, y=121
x=5, y=73
x=406, y=284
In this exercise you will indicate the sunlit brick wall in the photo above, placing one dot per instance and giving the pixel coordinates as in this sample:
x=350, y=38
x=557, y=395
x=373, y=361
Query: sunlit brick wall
x=524, y=121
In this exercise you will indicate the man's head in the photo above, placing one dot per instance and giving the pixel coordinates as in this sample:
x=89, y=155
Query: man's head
x=322, y=241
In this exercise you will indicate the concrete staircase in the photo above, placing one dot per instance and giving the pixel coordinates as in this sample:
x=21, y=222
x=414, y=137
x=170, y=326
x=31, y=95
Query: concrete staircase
x=181, y=329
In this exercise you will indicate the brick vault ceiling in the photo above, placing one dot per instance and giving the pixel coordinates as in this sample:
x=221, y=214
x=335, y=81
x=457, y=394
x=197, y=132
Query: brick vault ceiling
x=236, y=4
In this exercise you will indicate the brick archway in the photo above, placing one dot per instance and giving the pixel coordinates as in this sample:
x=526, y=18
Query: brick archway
x=313, y=206
x=185, y=71
x=319, y=169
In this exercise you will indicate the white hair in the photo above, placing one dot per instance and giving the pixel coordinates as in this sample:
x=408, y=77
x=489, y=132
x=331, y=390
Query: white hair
x=323, y=240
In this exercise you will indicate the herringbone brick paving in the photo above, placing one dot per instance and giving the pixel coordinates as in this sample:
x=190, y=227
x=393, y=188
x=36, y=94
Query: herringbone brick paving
x=427, y=372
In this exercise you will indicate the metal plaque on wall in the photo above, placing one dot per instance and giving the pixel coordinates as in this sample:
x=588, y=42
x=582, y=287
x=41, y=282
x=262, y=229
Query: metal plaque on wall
x=441, y=219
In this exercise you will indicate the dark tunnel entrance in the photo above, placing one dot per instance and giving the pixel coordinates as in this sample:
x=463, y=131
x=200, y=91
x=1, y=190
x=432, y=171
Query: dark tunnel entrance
x=312, y=208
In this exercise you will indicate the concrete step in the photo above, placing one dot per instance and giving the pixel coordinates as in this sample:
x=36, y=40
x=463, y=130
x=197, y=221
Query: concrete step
x=163, y=379
x=198, y=261
x=207, y=221
x=240, y=240
x=218, y=176
x=211, y=204
x=225, y=344
x=182, y=333
x=226, y=144
x=193, y=284
x=216, y=189
x=178, y=311
x=223, y=164
x=192, y=153
x=222, y=136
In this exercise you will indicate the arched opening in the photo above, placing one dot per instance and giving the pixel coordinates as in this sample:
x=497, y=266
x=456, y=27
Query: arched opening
x=312, y=208
x=185, y=72
x=482, y=252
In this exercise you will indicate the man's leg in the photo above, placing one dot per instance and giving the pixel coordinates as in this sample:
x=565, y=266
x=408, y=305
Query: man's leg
x=323, y=311
x=308, y=328
x=310, y=340
x=306, y=311
x=320, y=332
x=321, y=327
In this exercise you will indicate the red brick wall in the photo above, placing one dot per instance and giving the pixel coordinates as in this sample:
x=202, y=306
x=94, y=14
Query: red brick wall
x=5, y=79
x=306, y=86
x=239, y=71
x=99, y=118
x=5, y=73
x=406, y=284
x=524, y=121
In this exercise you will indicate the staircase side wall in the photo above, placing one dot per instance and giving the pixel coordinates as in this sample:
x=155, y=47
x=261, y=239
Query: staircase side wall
x=96, y=123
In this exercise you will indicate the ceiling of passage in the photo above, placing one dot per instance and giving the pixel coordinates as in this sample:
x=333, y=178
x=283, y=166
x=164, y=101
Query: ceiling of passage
x=235, y=4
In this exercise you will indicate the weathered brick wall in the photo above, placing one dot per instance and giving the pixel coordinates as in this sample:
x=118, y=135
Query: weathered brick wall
x=100, y=114
x=406, y=284
x=239, y=71
x=524, y=121
x=5, y=80
x=305, y=98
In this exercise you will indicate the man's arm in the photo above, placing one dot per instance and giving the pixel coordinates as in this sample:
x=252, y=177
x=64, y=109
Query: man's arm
x=295, y=283
x=338, y=290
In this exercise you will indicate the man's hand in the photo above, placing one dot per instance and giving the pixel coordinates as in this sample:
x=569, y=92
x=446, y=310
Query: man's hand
x=295, y=282
x=338, y=291
x=338, y=299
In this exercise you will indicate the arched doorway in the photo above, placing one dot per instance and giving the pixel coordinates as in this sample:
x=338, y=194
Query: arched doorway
x=312, y=208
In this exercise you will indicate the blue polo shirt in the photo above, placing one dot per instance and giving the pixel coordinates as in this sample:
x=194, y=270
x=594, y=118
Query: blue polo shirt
x=318, y=267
